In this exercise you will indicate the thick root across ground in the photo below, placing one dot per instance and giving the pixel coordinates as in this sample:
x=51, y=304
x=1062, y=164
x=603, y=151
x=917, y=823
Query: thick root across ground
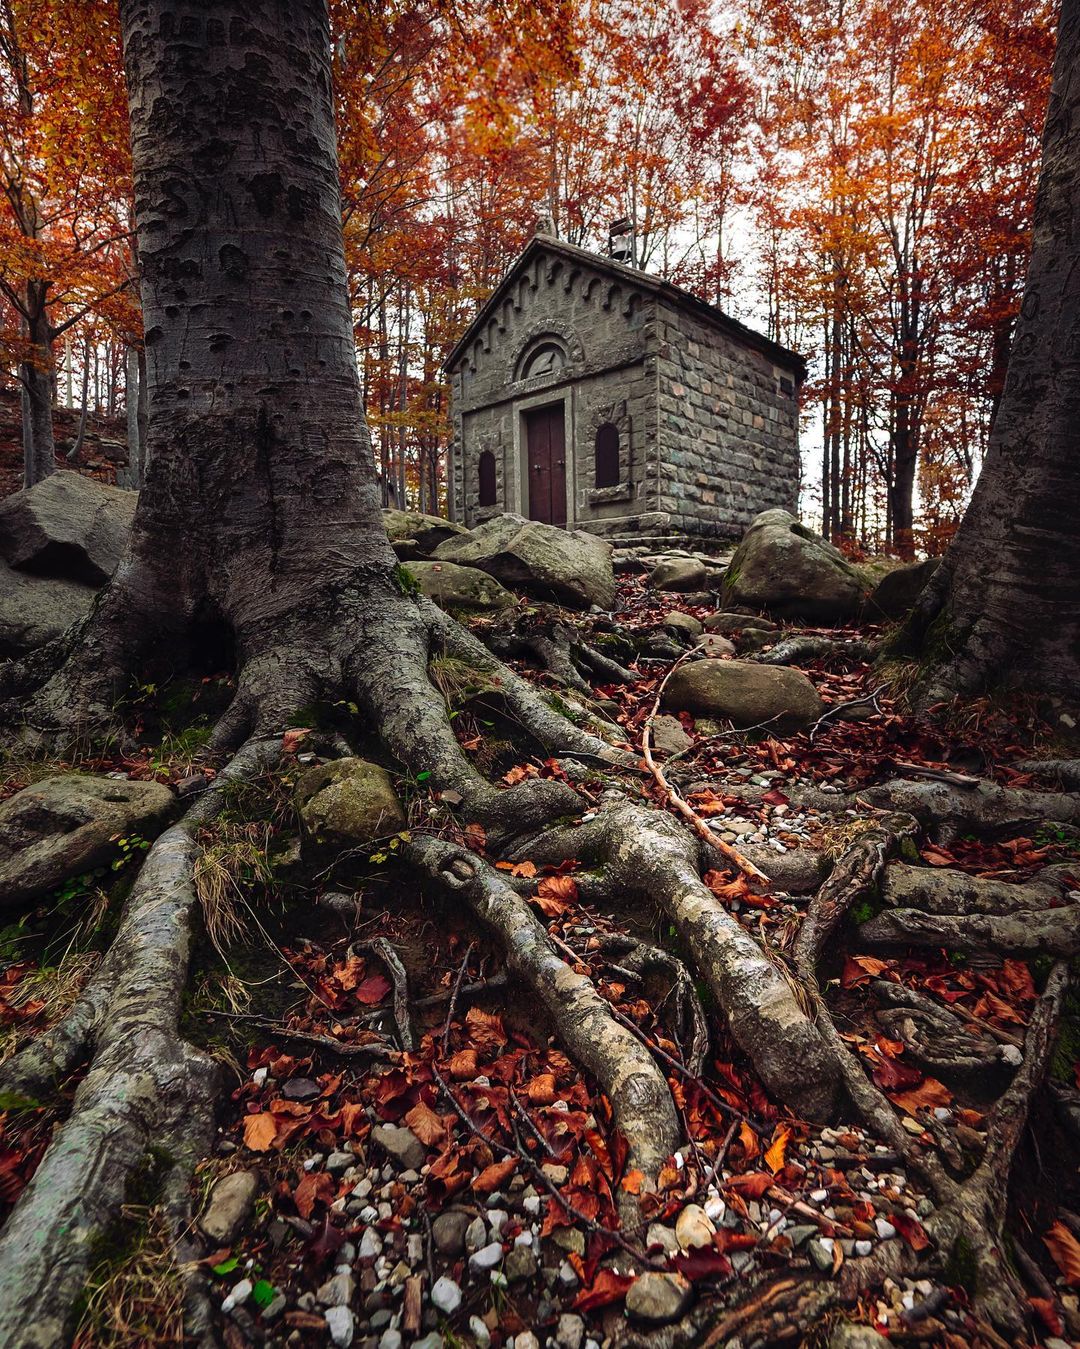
x=146, y=1097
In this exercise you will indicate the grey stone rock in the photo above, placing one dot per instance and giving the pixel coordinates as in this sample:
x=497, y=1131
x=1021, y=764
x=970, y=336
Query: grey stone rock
x=401, y=1143
x=425, y=532
x=664, y=1237
x=788, y=570
x=446, y=1295
x=344, y=804
x=820, y=1252
x=685, y=623
x=570, y=1331
x=432, y=1340
x=228, y=1206
x=658, y=1298
x=487, y=1257
x=847, y=1335
x=677, y=573
x=520, y=1264
x=66, y=825
x=337, y=1291
x=340, y=1161
x=36, y=609
x=897, y=590
x=727, y=623
x=668, y=735
x=568, y=566
x=448, y=1232
x=571, y=1239
x=476, y=1234
x=455, y=587
x=745, y=693
x=714, y=645
x=67, y=525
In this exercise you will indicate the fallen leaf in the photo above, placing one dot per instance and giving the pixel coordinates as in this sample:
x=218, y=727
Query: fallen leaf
x=774, y=1156
x=372, y=990
x=429, y=1127
x=541, y=1090
x=633, y=1181
x=607, y=1287
x=260, y=1131
x=493, y=1177
x=291, y=740
x=1065, y=1252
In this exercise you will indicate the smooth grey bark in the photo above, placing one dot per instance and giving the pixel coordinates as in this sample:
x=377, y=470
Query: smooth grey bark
x=39, y=445
x=133, y=474
x=1004, y=607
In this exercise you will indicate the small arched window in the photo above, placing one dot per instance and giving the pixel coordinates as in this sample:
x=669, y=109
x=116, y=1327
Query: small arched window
x=485, y=472
x=607, y=455
x=544, y=359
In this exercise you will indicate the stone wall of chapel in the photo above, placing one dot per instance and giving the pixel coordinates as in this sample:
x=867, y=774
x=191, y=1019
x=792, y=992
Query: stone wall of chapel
x=728, y=428
x=607, y=331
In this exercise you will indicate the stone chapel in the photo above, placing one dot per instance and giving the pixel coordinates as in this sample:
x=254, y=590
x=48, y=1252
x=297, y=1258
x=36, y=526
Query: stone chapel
x=589, y=394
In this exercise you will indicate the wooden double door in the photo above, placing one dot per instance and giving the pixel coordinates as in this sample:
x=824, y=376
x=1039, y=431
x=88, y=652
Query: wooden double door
x=545, y=441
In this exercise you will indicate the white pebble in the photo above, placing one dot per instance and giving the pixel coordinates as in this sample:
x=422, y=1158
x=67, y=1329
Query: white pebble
x=446, y=1295
x=341, y=1325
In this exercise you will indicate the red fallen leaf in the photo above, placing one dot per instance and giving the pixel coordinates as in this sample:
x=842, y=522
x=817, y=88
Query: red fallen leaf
x=291, y=740
x=726, y=1240
x=751, y=1186
x=314, y=1187
x=429, y=1127
x=555, y=895
x=494, y=1176
x=541, y=1090
x=486, y=1029
x=607, y=1287
x=702, y=1264
x=260, y=1131
x=633, y=1181
x=328, y=1240
x=350, y=974
x=930, y=1093
x=526, y=869
x=860, y=970
x=888, y=1073
x=476, y=837
x=750, y=1141
x=372, y=990
x=774, y=1157
x=911, y=1230
x=464, y=1066
x=353, y=1119
x=937, y=857
x=1046, y=1312
x=1065, y=1252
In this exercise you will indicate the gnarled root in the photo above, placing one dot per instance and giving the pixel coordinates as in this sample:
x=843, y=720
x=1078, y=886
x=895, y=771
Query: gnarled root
x=1027, y=932
x=805, y=647
x=623, y=1068
x=144, y=1108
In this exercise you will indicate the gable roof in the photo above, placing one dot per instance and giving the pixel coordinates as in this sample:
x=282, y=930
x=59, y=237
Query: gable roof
x=645, y=281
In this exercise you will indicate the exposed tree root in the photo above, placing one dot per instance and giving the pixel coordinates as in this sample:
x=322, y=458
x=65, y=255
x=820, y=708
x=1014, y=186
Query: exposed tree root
x=544, y=637
x=1053, y=932
x=624, y=1070
x=636, y=960
x=805, y=647
x=942, y=890
x=143, y=1112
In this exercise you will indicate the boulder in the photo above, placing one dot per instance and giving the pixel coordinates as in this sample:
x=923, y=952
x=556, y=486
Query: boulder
x=67, y=526
x=35, y=609
x=67, y=825
x=678, y=573
x=424, y=532
x=568, y=566
x=454, y=587
x=787, y=569
x=343, y=804
x=726, y=623
x=898, y=590
x=682, y=623
x=712, y=644
x=745, y=694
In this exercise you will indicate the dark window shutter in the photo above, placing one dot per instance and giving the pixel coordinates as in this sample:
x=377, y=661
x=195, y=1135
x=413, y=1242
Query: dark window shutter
x=486, y=475
x=607, y=455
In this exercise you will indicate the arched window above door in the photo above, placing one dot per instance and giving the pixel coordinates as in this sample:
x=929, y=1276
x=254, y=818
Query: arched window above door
x=606, y=466
x=487, y=489
x=547, y=357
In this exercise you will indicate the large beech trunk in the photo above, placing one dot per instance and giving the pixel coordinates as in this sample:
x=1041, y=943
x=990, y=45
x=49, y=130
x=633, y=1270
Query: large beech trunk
x=259, y=506
x=1004, y=607
x=36, y=373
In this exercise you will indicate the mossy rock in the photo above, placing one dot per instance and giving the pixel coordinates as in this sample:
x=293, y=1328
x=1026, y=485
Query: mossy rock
x=747, y=694
x=459, y=588
x=346, y=804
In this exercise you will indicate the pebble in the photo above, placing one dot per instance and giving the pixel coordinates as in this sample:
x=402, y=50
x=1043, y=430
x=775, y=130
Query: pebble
x=487, y=1257
x=340, y=1161
x=694, y=1228
x=432, y=1340
x=657, y=1298
x=568, y=1275
x=520, y=1264
x=657, y=1235
x=341, y=1324
x=526, y=1340
x=230, y=1203
x=820, y=1251
x=370, y=1244
x=337, y=1291
x=399, y=1142
x=570, y=1332
x=448, y=1232
x=885, y=1229
x=863, y=1247
x=274, y=1307
x=238, y=1295
x=496, y=1218
x=475, y=1235
x=390, y=1339
x=479, y=1331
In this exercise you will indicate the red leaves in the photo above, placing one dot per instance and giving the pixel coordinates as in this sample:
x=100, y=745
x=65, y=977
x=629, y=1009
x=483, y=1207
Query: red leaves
x=752, y=1185
x=911, y=1230
x=315, y=1187
x=606, y=1288
x=555, y=895
x=704, y=1263
x=495, y=1176
x=430, y=1128
x=372, y=990
x=1065, y=1252
x=260, y=1131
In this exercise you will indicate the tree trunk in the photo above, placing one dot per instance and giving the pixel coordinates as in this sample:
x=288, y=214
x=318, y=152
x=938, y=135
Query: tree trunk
x=39, y=447
x=1004, y=607
x=132, y=476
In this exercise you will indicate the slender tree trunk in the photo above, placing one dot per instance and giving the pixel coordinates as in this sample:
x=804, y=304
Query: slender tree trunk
x=39, y=446
x=77, y=443
x=1004, y=607
x=133, y=475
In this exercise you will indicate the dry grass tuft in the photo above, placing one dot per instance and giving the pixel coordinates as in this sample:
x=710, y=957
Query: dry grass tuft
x=52, y=990
x=223, y=874
x=140, y=1300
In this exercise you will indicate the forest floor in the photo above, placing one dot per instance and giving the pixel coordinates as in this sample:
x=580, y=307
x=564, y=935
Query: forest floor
x=466, y=1192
